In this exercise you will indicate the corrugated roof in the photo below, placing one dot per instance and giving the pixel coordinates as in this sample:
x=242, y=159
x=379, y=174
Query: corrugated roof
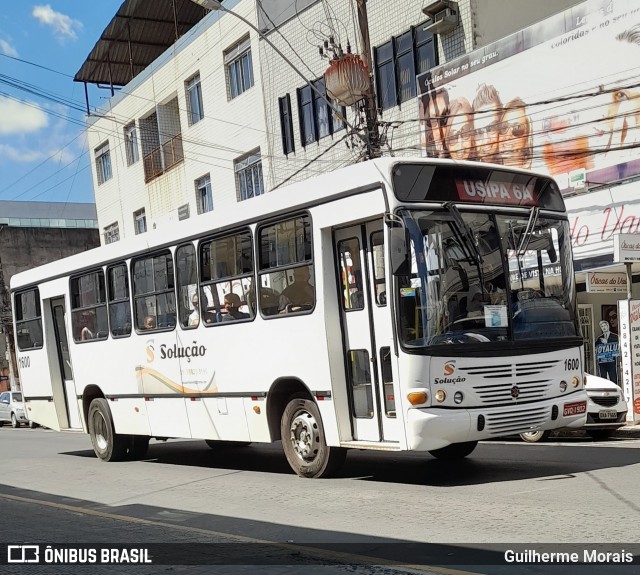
x=140, y=31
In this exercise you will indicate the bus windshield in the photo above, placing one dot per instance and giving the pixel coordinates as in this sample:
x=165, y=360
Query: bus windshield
x=483, y=278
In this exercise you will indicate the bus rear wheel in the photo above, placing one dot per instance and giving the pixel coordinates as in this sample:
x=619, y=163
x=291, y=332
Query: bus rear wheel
x=108, y=445
x=138, y=446
x=304, y=441
x=455, y=450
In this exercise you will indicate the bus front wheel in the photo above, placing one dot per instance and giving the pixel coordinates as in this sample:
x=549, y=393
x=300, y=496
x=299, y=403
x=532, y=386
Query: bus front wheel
x=455, y=450
x=304, y=442
x=108, y=445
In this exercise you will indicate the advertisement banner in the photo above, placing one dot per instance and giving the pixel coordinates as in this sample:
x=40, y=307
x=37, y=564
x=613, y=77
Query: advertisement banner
x=561, y=97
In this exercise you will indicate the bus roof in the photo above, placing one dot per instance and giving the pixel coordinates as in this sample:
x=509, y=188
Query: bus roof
x=298, y=194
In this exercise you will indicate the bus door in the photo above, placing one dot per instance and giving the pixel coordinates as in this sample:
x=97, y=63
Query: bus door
x=64, y=360
x=367, y=331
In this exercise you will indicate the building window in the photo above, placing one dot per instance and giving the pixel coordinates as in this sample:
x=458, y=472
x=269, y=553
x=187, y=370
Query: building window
x=204, y=195
x=111, y=233
x=317, y=118
x=103, y=163
x=161, y=139
x=194, y=99
x=286, y=124
x=140, y=221
x=249, y=176
x=399, y=61
x=131, y=143
x=237, y=62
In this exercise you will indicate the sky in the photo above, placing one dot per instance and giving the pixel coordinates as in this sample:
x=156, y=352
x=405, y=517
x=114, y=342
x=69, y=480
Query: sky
x=43, y=153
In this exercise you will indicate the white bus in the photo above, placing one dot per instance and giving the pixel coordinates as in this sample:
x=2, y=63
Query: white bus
x=393, y=305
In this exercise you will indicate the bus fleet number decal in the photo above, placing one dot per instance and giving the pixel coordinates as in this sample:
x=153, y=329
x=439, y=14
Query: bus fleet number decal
x=571, y=364
x=24, y=361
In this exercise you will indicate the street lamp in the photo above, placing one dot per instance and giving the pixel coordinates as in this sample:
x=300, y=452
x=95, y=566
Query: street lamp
x=217, y=5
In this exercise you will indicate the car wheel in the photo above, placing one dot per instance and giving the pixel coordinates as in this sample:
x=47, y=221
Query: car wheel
x=599, y=434
x=108, y=445
x=535, y=436
x=455, y=450
x=304, y=442
x=14, y=421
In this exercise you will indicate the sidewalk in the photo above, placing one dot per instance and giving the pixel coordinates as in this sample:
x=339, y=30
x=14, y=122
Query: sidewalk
x=627, y=432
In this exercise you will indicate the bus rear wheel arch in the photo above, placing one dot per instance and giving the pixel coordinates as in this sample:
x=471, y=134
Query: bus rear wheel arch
x=304, y=441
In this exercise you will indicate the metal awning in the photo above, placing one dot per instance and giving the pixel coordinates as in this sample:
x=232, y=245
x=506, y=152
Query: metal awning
x=139, y=32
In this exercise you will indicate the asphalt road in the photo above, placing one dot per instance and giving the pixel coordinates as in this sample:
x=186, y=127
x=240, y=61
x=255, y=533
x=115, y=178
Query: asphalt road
x=54, y=490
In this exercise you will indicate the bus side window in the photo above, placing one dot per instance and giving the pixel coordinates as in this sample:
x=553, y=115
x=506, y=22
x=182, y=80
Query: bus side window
x=119, y=300
x=153, y=290
x=189, y=304
x=89, y=307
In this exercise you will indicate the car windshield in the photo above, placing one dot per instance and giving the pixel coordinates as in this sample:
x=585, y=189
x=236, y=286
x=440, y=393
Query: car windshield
x=478, y=278
x=17, y=397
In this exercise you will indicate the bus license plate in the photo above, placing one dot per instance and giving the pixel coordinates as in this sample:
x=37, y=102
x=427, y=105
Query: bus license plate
x=575, y=408
x=608, y=414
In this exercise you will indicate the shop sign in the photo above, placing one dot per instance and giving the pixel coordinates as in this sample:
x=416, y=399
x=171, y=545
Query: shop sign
x=607, y=282
x=626, y=248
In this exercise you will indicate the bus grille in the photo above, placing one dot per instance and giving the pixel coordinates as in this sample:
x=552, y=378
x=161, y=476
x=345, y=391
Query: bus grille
x=497, y=381
x=605, y=401
x=515, y=421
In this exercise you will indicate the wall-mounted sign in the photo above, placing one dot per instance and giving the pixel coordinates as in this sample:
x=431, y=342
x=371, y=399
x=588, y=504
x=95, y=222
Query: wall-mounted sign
x=629, y=312
x=607, y=282
x=626, y=248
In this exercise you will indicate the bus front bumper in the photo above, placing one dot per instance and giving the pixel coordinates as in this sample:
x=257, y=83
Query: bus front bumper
x=432, y=427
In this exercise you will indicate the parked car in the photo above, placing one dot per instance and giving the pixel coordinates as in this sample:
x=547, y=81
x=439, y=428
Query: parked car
x=606, y=410
x=12, y=409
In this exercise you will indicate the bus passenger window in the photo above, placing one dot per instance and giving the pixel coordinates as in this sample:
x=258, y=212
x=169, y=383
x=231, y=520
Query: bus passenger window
x=89, y=307
x=286, y=268
x=153, y=291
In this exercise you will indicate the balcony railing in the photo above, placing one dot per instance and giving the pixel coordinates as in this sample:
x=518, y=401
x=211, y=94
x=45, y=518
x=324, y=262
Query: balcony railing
x=163, y=158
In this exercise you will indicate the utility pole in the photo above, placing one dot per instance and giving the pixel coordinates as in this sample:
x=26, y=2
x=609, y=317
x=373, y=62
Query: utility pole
x=371, y=108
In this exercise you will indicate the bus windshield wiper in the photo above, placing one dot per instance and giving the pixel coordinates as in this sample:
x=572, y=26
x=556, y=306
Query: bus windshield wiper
x=525, y=238
x=465, y=228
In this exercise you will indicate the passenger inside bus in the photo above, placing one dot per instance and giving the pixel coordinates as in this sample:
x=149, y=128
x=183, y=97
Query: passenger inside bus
x=300, y=294
x=232, y=303
x=149, y=322
x=194, y=316
x=88, y=325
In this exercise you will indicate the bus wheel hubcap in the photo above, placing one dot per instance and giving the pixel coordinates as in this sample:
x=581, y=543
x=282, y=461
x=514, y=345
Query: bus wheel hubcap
x=99, y=426
x=304, y=436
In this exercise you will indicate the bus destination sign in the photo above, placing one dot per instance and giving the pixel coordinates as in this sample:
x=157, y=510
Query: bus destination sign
x=496, y=192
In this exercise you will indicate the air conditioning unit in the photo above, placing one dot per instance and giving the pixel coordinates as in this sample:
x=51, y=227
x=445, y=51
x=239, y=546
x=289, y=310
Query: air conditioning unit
x=443, y=15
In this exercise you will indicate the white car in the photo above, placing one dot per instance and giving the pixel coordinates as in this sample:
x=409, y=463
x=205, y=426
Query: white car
x=12, y=409
x=606, y=410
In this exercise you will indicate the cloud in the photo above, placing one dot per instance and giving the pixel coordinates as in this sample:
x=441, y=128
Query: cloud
x=19, y=118
x=17, y=155
x=7, y=49
x=63, y=26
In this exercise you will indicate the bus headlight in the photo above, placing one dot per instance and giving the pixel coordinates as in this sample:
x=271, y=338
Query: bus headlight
x=563, y=386
x=441, y=395
x=458, y=397
x=575, y=381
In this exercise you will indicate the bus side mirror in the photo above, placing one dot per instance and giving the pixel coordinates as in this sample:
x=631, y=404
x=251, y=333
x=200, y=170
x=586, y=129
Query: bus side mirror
x=399, y=255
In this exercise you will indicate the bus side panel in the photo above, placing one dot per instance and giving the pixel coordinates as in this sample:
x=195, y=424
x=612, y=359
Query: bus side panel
x=130, y=416
x=218, y=418
x=256, y=413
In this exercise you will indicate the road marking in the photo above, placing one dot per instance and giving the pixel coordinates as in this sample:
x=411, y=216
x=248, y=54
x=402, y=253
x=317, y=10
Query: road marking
x=338, y=556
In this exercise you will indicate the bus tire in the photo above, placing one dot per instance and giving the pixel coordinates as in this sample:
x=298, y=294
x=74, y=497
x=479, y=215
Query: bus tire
x=107, y=444
x=138, y=446
x=221, y=444
x=455, y=450
x=304, y=441
x=535, y=436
